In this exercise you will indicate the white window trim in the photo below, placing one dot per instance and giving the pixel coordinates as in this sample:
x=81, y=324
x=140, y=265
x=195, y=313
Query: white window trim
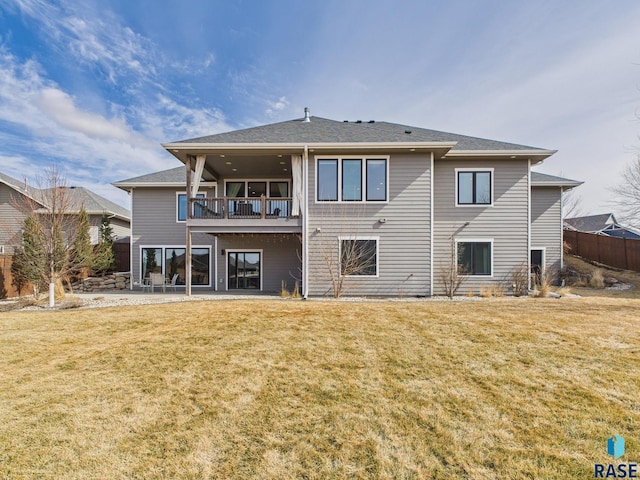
x=544, y=256
x=163, y=269
x=364, y=159
x=264, y=180
x=178, y=193
x=479, y=170
x=359, y=237
x=227, y=251
x=477, y=240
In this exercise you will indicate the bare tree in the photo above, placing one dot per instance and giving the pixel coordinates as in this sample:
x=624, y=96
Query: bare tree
x=571, y=204
x=452, y=274
x=628, y=193
x=350, y=257
x=52, y=230
x=346, y=254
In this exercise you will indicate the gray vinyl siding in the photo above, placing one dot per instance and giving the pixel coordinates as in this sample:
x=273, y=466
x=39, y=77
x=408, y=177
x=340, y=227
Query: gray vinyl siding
x=506, y=222
x=403, y=245
x=154, y=224
x=280, y=258
x=11, y=218
x=546, y=222
x=121, y=228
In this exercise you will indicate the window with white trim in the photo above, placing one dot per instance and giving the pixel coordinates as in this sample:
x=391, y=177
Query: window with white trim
x=171, y=261
x=352, y=179
x=181, y=206
x=474, y=187
x=475, y=257
x=359, y=256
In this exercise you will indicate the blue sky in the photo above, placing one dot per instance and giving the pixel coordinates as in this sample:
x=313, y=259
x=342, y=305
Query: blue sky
x=95, y=86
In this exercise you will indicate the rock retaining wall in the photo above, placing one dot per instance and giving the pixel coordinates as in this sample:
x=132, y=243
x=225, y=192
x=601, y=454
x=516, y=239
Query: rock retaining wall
x=114, y=281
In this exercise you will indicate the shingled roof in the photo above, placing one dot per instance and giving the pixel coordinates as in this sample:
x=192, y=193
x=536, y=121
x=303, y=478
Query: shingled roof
x=172, y=176
x=95, y=204
x=543, y=180
x=322, y=130
x=79, y=196
x=18, y=186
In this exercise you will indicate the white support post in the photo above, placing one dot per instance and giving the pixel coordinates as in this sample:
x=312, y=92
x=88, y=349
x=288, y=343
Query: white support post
x=187, y=280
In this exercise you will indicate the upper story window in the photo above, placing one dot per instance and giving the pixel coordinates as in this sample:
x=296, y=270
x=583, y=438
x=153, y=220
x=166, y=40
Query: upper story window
x=181, y=206
x=474, y=187
x=352, y=179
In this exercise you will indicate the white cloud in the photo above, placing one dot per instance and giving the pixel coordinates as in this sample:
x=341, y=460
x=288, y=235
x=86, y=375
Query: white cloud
x=88, y=147
x=95, y=39
x=59, y=107
x=277, y=106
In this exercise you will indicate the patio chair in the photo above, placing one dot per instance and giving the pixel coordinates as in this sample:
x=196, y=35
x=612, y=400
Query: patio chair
x=173, y=281
x=145, y=285
x=157, y=280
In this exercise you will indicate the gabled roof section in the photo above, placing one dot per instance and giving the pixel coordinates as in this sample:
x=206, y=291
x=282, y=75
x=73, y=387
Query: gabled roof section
x=18, y=186
x=173, y=175
x=543, y=180
x=95, y=204
x=593, y=223
x=79, y=196
x=321, y=130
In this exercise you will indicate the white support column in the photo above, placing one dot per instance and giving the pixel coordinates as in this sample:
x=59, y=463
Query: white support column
x=187, y=280
x=305, y=222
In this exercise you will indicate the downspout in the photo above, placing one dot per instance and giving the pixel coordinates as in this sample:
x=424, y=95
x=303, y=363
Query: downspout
x=561, y=228
x=431, y=226
x=305, y=223
x=131, y=248
x=529, y=194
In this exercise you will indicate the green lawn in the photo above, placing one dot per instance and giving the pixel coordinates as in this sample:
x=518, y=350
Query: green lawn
x=498, y=388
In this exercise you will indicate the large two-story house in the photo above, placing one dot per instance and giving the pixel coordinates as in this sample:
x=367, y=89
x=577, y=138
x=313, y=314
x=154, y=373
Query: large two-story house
x=385, y=209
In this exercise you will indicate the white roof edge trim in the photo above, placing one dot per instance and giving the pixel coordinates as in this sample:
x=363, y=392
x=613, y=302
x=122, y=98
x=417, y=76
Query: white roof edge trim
x=519, y=153
x=159, y=184
x=555, y=184
x=274, y=146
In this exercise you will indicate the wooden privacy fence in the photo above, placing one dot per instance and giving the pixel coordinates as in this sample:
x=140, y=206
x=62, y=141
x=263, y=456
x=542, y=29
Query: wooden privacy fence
x=616, y=252
x=122, y=251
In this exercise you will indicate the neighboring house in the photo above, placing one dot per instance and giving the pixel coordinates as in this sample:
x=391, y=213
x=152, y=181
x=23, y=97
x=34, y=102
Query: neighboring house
x=15, y=196
x=292, y=200
x=603, y=224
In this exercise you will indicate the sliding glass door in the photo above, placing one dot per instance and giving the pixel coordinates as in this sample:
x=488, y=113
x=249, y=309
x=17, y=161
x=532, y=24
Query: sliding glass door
x=244, y=270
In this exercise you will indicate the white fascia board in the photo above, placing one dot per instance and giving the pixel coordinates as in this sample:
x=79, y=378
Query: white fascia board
x=299, y=146
x=128, y=185
x=556, y=184
x=500, y=153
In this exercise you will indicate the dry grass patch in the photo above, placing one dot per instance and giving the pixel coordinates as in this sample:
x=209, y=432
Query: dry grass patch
x=493, y=389
x=586, y=270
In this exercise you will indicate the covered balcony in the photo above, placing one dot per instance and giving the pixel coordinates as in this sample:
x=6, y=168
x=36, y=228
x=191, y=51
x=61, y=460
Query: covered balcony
x=257, y=193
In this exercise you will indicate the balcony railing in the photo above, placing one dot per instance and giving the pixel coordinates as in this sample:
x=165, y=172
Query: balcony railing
x=240, y=208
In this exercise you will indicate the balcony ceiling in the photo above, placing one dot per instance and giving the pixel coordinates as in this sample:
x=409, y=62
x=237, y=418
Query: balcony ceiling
x=249, y=166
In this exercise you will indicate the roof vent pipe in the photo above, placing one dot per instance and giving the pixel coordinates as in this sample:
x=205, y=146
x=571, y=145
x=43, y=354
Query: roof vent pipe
x=307, y=114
